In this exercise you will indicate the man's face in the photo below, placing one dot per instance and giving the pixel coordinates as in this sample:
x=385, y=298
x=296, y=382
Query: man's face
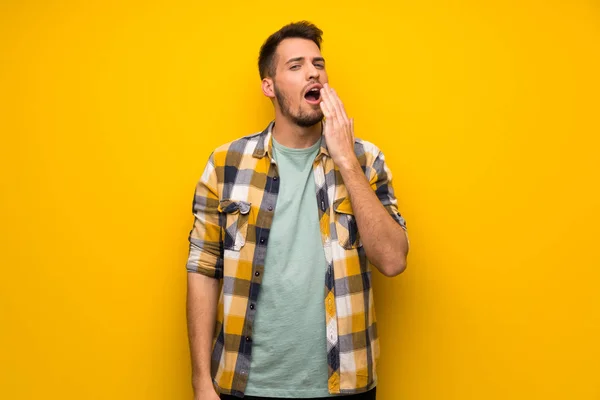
x=300, y=74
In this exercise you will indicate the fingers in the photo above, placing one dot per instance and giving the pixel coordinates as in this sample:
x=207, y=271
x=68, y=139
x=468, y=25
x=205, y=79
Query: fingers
x=333, y=108
x=338, y=105
x=334, y=105
x=327, y=109
x=324, y=105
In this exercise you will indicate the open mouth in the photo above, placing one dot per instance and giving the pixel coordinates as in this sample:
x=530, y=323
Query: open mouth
x=313, y=96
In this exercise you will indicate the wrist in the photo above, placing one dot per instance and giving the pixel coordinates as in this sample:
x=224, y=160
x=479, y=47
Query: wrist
x=348, y=164
x=201, y=383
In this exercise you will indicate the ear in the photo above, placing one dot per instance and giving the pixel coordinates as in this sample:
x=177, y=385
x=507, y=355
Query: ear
x=267, y=88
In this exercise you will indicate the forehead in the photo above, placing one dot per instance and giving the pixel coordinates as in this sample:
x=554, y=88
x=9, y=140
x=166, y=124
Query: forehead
x=297, y=47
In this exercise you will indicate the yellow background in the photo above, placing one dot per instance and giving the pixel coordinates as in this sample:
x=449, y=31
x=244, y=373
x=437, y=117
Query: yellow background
x=488, y=113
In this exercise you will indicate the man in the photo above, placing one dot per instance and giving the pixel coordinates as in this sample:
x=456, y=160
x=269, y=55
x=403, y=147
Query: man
x=288, y=223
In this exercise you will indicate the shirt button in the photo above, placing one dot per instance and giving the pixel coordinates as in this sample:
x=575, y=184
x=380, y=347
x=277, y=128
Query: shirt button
x=252, y=306
x=256, y=273
x=247, y=338
x=262, y=240
x=275, y=178
x=270, y=208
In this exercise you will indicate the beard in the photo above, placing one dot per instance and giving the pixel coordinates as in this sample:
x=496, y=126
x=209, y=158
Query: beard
x=300, y=117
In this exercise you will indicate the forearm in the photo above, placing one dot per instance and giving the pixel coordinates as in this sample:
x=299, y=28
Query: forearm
x=202, y=297
x=384, y=241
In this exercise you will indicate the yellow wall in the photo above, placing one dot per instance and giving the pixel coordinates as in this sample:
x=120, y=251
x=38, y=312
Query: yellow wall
x=488, y=114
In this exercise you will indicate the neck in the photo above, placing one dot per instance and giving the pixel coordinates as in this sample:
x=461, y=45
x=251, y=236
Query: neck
x=293, y=136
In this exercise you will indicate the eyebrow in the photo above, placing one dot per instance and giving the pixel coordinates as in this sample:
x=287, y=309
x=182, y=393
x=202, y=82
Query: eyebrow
x=296, y=59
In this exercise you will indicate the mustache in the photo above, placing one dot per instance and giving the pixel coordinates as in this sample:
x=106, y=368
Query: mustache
x=310, y=84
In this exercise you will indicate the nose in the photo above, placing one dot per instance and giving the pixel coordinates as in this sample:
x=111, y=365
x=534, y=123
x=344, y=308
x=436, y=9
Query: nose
x=312, y=73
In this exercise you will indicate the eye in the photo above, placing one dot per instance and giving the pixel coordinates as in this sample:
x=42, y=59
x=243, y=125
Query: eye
x=321, y=66
x=294, y=67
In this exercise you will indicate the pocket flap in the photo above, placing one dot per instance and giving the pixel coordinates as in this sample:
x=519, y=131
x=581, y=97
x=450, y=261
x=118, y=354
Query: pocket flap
x=343, y=206
x=229, y=206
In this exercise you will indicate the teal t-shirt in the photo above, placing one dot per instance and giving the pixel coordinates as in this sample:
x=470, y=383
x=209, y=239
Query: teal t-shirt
x=289, y=350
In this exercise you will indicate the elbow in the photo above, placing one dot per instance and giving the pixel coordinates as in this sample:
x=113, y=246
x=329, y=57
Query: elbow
x=393, y=267
x=395, y=261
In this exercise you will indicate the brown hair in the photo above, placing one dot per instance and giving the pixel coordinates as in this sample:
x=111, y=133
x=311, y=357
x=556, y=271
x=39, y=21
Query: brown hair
x=302, y=29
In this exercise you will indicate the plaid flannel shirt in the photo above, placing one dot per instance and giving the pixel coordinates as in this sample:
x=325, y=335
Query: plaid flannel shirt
x=234, y=205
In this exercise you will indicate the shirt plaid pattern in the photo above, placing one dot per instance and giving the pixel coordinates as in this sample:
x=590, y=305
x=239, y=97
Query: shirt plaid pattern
x=234, y=205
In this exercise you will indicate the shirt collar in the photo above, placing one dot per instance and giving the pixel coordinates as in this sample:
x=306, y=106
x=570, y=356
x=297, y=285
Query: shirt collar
x=265, y=143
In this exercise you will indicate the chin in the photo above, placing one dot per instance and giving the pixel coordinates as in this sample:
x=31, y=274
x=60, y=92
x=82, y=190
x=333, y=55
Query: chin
x=307, y=122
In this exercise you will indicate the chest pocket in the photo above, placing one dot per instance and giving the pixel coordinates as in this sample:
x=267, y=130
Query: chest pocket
x=345, y=224
x=235, y=213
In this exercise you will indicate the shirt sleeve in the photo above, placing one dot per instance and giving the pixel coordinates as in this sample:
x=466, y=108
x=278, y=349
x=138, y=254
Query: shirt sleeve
x=205, y=253
x=381, y=182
